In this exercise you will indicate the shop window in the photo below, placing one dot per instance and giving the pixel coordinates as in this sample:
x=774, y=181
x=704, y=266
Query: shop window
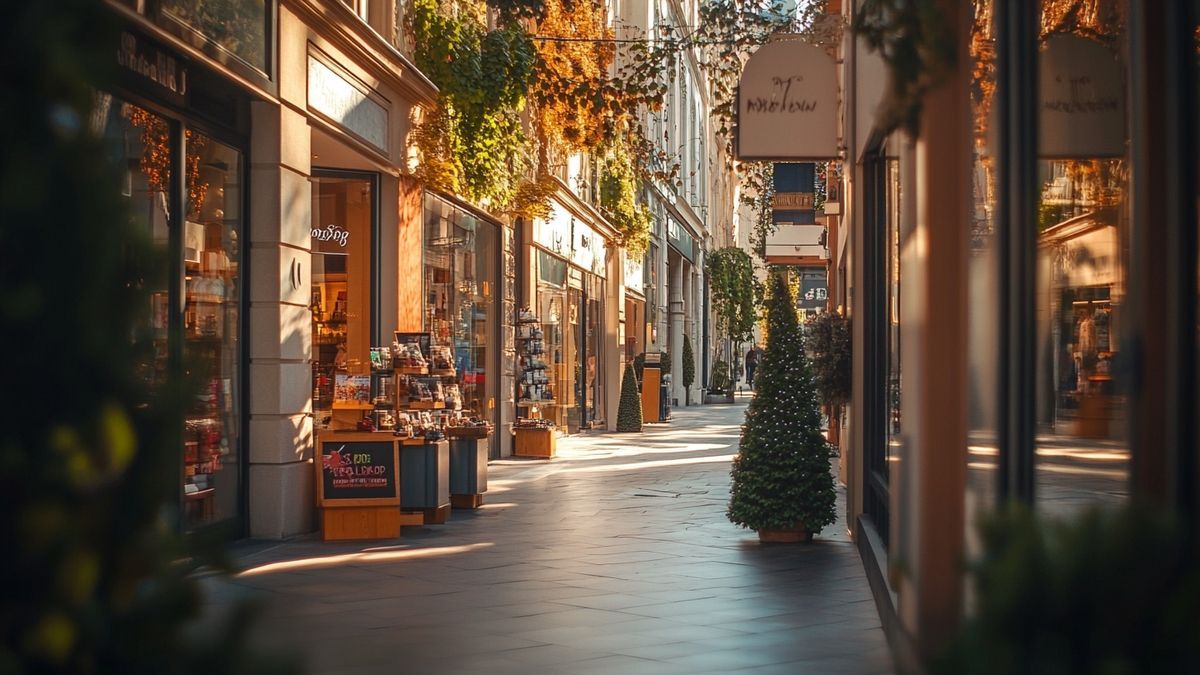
x=343, y=212
x=212, y=329
x=461, y=276
x=552, y=311
x=205, y=238
x=892, y=323
x=1083, y=235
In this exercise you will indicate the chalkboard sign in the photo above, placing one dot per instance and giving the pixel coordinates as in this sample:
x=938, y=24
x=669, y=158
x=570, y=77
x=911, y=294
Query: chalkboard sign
x=357, y=473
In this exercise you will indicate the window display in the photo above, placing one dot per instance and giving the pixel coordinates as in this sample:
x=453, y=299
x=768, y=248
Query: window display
x=342, y=214
x=461, y=273
x=209, y=319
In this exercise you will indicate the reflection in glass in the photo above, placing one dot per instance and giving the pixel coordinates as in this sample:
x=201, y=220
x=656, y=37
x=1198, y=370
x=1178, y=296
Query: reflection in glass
x=460, y=287
x=212, y=330
x=892, y=262
x=1083, y=234
x=341, y=291
x=237, y=26
x=983, y=327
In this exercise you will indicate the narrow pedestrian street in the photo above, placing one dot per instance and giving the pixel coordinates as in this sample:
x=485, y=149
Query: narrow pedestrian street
x=615, y=557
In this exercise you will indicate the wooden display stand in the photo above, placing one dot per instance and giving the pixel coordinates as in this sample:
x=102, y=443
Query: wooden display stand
x=534, y=443
x=651, y=389
x=346, y=414
x=358, y=486
x=468, y=471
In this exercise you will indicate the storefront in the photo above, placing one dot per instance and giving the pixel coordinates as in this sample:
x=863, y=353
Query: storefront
x=637, y=321
x=177, y=125
x=462, y=283
x=568, y=270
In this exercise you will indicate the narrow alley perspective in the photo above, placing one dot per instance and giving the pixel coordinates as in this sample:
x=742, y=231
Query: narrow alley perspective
x=615, y=557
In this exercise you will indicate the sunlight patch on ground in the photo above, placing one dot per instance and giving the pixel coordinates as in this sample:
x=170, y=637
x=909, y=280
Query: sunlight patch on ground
x=653, y=464
x=374, y=555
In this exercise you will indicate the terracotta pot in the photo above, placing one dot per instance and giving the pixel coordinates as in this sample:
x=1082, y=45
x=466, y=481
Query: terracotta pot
x=785, y=535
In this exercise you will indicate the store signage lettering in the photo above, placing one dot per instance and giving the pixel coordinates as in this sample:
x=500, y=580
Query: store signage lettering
x=1081, y=111
x=793, y=200
x=787, y=104
x=152, y=64
x=780, y=101
x=332, y=233
x=357, y=470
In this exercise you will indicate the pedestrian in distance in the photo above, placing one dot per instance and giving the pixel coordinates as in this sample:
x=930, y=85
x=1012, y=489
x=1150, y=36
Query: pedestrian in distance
x=751, y=364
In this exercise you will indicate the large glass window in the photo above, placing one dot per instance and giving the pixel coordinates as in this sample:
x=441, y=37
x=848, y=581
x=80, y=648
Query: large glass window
x=1082, y=451
x=212, y=329
x=892, y=263
x=143, y=144
x=461, y=273
x=342, y=285
x=552, y=311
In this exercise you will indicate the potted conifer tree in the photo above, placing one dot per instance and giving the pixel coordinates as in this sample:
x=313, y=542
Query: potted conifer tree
x=629, y=412
x=689, y=369
x=782, y=484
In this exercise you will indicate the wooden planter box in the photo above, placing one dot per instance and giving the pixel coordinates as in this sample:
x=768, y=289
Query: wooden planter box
x=468, y=472
x=425, y=479
x=534, y=443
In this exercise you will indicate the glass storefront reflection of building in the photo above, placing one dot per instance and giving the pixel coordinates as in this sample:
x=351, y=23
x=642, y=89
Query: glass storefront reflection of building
x=209, y=321
x=1084, y=227
x=461, y=275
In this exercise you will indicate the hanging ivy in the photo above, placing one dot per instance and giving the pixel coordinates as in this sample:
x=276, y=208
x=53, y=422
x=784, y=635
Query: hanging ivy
x=731, y=282
x=917, y=44
x=619, y=199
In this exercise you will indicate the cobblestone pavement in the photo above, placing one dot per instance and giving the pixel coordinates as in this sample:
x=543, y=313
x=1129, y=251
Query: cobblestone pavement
x=615, y=557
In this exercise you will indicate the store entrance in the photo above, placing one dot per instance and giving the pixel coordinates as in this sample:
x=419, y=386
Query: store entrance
x=343, y=213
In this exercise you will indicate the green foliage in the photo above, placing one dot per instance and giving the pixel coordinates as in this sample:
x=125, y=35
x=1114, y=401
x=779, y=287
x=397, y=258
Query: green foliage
x=720, y=383
x=99, y=579
x=827, y=342
x=473, y=143
x=629, y=411
x=619, y=199
x=781, y=475
x=730, y=273
x=917, y=44
x=689, y=362
x=1107, y=592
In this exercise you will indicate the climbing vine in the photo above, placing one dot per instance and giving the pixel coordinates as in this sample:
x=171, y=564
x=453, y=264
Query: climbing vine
x=730, y=273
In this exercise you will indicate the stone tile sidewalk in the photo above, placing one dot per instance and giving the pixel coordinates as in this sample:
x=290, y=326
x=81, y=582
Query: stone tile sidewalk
x=615, y=557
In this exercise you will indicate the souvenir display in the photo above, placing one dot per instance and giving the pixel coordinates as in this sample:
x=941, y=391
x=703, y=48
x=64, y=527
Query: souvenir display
x=533, y=384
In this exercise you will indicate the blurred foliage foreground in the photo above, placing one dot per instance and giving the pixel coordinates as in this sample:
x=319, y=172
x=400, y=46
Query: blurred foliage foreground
x=97, y=577
x=1109, y=592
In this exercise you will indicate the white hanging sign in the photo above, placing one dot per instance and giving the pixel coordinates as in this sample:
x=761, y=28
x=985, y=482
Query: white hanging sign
x=787, y=104
x=1081, y=107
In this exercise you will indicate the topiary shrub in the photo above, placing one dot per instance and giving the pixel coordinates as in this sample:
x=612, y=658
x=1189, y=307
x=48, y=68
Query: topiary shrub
x=781, y=477
x=689, y=368
x=629, y=412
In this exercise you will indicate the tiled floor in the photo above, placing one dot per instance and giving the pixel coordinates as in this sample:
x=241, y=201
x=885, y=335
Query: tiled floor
x=614, y=558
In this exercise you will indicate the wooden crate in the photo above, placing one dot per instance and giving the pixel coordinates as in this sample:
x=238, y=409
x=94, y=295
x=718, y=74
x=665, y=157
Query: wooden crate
x=534, y=443
x=360, y=522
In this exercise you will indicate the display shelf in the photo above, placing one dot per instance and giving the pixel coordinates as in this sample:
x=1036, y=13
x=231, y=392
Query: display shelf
x=411, y=370
x=426, y=405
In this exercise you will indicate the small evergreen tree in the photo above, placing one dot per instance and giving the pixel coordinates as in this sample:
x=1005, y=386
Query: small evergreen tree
x=689, y=367
x=781, y=476
x=629, y=413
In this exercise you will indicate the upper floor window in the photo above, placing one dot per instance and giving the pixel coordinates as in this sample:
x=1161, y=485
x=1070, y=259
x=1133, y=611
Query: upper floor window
x=236, y=27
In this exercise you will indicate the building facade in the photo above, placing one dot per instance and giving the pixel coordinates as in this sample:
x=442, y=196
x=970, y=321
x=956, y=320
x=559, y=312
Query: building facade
x=1021, y=276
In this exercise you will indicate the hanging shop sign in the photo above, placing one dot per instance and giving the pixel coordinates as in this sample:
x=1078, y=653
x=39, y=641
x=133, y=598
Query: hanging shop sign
x=1081, y=107
x=787, y=104
x=337, y=98
x=814, y=290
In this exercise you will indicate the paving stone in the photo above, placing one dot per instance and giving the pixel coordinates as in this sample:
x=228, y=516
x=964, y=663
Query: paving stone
x=615, y=557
